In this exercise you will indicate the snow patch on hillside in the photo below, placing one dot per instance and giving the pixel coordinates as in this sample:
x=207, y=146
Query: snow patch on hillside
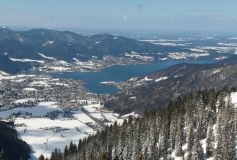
x=63, y=62
x=216, y=71
x=130, y=114
x=147, y=79
x=3, y=73
x=27, y=60
x=30, y=89
x=77, y=61
x=234, y=98
x=161, y=78
x=197, y=50
x=42, y=55
x=47, y=43
x=163, y=59
x=221, y=58
x=228, y=44
x=59, y=68
x=185, y=55
x=17, y=78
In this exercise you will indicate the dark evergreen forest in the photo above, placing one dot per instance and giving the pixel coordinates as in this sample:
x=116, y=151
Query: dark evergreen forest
x=11, y=147
x=197, y=126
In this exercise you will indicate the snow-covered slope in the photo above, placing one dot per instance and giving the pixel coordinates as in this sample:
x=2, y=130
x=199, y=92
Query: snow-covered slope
x=43, y=133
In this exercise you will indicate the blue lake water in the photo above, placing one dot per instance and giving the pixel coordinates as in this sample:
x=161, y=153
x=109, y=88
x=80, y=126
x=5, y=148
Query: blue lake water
x=119, y=73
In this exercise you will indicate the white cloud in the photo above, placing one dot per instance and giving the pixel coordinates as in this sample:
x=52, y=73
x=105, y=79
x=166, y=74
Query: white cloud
x=125, y=18
x=172, y=19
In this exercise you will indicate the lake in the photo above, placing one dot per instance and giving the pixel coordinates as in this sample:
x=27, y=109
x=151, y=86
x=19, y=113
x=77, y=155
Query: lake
x=119, y=73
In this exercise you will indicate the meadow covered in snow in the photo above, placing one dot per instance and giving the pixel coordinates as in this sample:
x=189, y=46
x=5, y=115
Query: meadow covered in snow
x=45, y=124
x=43, y=133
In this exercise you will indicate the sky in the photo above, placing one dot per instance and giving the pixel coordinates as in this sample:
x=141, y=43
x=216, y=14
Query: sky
x=193, y=15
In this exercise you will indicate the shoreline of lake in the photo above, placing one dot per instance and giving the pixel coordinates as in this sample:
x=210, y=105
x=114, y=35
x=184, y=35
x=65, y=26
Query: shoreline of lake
x=119, y=73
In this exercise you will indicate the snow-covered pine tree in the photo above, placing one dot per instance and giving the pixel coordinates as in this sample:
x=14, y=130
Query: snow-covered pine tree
x=136, y=140
x=152, y=138
x=190, y=140
x=163, y=139
x=130, y=134
x=210, y=142
x=179, y=139
x=197, y=150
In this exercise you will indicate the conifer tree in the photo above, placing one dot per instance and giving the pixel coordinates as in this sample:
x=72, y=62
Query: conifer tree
x=173, y=129
x=210, y=146
x=109, y=143
x=129, y=139
x=219, y=151
x=66, y=152
x=203, y=121
x=197, y=150
x=163, y=145
x=212, y=107
x=115, y=141
x=41, y=157
x=232, y=144
x=219, y=136
x=179, y=139
x=53, y=156
x=219, y=124
x=152, y=140
x=136, y=140
x=190, y=140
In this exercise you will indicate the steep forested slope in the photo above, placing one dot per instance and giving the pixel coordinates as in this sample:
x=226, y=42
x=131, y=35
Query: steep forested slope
x=199, y=126
x=12, y=147
x=181, y=79
x=68, y=45
x=11, y=67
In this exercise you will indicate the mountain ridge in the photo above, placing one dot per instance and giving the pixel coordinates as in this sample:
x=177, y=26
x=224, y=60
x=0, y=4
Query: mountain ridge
x=182, y=79
x=68, y=46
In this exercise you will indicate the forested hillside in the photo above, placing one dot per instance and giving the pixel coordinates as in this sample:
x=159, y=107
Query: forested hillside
x=180, y=79
x=9, y=66
x=68, y=45
x=38, y=46
x=12, y=148
x=198, y=126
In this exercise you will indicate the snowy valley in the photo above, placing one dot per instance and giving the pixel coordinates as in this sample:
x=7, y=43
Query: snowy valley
x=49, y=112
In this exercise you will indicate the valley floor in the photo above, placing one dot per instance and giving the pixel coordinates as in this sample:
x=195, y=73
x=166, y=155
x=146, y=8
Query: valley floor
x=50, y=112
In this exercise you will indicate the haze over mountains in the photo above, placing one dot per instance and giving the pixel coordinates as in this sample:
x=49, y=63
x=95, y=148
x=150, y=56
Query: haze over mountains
x=67, y=46
x=39, y=47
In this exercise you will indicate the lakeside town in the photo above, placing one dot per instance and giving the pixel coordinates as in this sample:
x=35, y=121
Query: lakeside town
x=48, y=111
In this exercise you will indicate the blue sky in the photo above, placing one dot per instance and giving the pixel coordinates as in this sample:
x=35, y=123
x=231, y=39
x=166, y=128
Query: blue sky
x=195, y=15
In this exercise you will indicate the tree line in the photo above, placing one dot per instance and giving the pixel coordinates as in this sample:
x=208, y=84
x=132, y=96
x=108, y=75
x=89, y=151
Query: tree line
x=197, y=126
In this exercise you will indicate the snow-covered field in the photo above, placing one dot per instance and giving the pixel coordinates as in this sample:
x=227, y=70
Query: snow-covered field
x=46, y=124
x=44, y=134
